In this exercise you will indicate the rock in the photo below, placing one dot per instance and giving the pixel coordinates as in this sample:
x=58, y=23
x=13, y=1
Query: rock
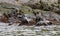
x=48, y=15
x=26, y=9
x=30, y=16
x=44, y=9
x=44, y=22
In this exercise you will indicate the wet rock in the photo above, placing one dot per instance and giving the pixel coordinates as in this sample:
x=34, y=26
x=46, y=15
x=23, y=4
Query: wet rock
x=46, y=22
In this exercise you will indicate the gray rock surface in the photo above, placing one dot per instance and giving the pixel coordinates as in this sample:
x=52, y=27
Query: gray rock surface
x=48, y=15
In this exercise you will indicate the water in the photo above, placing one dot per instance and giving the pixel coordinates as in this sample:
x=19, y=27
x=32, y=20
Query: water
x=14, y=30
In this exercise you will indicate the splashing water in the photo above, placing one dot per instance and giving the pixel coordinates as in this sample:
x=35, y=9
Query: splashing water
x=52, y=30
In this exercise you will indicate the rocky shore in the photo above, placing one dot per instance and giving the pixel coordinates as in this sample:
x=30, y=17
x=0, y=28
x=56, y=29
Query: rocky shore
x=29, y=18
x=30, y=14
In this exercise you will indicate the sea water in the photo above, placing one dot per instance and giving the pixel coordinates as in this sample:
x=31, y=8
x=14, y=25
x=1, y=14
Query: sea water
x=14, y=30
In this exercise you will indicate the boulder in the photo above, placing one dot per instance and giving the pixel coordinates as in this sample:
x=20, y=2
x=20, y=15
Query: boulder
x=48, y=15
